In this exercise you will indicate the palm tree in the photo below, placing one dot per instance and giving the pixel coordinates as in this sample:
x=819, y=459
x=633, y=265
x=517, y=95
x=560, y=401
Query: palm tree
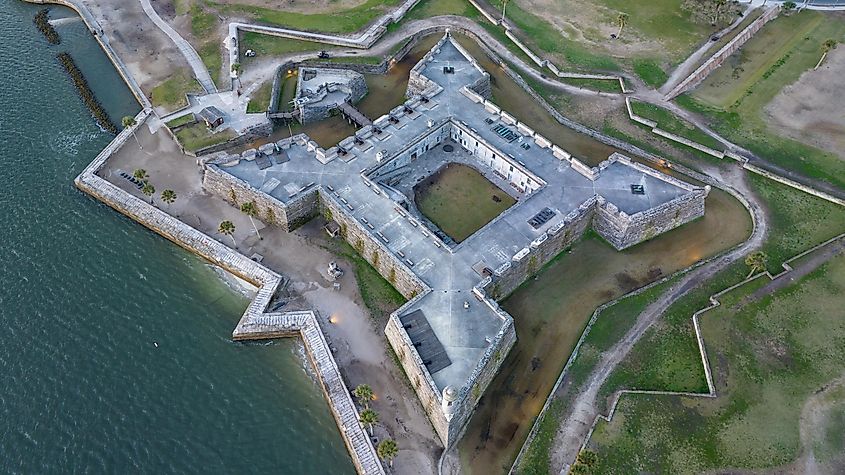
x=149, y=190
x=756, y=261
x=621, y=20
x=369, y=418
x=504, y=5
x=718, y=7
x=228, y=228
x=387, y=450
x=141, y=175
x=168, y=196
x=251, y=210
x=364, y=393
x=129, y=122
x=826, y=47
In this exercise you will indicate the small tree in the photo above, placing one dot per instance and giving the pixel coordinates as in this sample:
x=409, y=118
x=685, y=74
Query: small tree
x=789, y=6
x=756, y=261
x=364, y=394
x=271, y=216
x=369, y=418
x=228, y=228
x=236, y=70
x=826, y=47
x=129, y=122
x=621, y=20
x=233, y=196
x=168, y=196
x=504, y=5
x=251, y=210
x=387, y=450
x=141, y=175
x=149, y=190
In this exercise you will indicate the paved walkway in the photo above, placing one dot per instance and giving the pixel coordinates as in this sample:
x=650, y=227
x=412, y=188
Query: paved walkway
x=188, y=51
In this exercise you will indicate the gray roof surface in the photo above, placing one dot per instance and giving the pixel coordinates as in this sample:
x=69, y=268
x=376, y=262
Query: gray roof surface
x=463, y=333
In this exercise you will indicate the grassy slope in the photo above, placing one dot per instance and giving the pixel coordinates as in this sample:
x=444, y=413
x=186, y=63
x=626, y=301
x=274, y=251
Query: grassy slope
x=346, y=21
x=260, y=100
x=770, y=355
x=735, y=96
x=672, y=123
x=170, y=94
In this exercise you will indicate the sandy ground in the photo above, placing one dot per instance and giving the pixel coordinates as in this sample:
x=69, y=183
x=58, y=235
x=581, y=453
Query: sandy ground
x=148, y=53
x=359, y=345
x=591, y=24
x=810, y=110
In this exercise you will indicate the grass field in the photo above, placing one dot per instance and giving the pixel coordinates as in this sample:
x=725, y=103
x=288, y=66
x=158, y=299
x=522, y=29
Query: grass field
x=576, y=33
x=770, y=356
x=650, y=72
x=346, y=21
x=170, y=94
x=602, y=85
x=734, y=96
x=460, y=200
x=197, y=136
x=431, y=8
x=185, y=119
x=667, y=357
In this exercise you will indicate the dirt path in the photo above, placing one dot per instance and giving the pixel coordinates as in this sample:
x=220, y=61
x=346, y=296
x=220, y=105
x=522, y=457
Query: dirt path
x=584, y=409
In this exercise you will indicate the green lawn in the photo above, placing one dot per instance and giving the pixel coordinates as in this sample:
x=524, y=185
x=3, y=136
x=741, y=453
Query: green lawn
x=170, y=94
x=734, y=97
x=196, y=137
x=346, y=21
x=212, y=58
x=276, y=45
x=602, y=85
x=185, y=119
x=460, y=200
x=260, y=100
x=769, y=356
x=674, y=124
x=431, y=8
x=650, y=72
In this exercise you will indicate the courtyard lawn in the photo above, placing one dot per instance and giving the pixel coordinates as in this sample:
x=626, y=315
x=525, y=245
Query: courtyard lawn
x=459, y=200
x=735, y=96
x=601, y=85
x=269, y=45
x=197, y=136
x=771, y=356
x=430, y=8
x=170, y=94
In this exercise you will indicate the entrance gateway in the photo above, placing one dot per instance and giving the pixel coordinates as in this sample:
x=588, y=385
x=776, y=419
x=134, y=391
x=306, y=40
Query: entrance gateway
x=451, y=336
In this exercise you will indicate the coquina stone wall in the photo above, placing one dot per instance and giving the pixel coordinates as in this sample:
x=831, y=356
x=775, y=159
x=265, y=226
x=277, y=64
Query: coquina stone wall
x=286, y=216
x=366, y=244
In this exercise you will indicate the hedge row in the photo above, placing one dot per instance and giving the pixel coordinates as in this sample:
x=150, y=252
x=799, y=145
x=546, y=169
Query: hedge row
x=42, y=22
x=87, y=95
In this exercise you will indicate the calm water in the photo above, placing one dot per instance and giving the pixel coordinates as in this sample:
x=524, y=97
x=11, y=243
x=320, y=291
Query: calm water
x=85, y=294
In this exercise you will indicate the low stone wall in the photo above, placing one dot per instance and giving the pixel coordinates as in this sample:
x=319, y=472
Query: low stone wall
x=669, y=135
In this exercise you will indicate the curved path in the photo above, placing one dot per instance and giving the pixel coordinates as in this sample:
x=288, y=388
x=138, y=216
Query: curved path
x=188, y=51
x=584, y=409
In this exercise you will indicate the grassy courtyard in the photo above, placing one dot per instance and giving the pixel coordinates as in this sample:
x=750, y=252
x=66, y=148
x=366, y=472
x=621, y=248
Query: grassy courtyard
x=772, y=355
x=197, y=136
x=460, y=200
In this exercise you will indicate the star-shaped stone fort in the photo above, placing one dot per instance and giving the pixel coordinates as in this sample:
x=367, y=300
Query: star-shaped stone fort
x=451, y=336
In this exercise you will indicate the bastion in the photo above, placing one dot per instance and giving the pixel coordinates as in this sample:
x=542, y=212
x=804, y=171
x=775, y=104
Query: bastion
x=451, y=336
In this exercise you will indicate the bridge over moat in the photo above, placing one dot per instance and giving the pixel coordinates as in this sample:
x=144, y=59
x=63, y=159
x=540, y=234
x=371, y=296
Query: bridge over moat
x=451, y=337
